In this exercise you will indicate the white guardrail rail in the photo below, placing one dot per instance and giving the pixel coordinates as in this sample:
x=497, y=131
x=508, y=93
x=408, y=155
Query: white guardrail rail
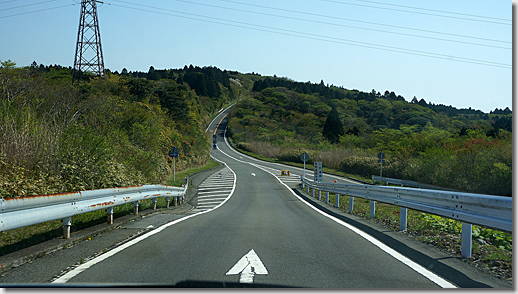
x=469, y=208
x=25, y=211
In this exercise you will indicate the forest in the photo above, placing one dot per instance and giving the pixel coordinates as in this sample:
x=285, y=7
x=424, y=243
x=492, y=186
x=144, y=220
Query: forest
x=58, y=137
x=461, y=149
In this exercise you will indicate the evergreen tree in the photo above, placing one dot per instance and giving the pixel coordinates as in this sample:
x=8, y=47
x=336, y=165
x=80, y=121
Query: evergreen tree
x=333, y=127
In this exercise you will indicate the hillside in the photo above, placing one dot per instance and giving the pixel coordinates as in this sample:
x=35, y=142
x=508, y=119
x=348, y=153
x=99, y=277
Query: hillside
x=56, y=137
x=463, y=149
x=117, y=132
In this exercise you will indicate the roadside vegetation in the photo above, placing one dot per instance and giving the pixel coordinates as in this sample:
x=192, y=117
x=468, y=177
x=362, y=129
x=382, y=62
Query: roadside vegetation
x=465, y=149
x=56, y=137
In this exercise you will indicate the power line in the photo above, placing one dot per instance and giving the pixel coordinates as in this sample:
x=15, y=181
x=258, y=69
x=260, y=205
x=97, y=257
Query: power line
x=435, y=10
x=312, y=36
x=27, y=5
x=36, y=11
x=366, y=22
x=423, y=13
x=342, y=25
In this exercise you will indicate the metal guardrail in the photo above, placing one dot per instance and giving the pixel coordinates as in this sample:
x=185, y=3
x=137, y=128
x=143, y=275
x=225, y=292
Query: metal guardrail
x=408, y=183
x=479, y=209
x=25, y=211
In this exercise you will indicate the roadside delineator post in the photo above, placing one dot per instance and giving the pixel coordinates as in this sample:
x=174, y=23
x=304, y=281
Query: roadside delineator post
x=109, y=215
x=67, y=223
x=351, y=203
x=135, y=208
x=402, y=218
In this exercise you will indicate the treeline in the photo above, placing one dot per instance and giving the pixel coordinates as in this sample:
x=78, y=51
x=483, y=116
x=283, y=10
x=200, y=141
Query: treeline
x=205, y=81
x=328, y=93
x=55, y=137
x=468, y=152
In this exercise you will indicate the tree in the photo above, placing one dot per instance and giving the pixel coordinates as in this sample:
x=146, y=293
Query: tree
x=333, y=127
x=152, y=74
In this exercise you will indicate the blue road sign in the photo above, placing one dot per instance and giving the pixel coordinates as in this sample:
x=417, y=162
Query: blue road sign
x=174, y=152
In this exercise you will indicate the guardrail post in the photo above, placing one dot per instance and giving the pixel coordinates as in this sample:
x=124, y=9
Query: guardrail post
x=373, y=209
x=313, y=190
x=307, y=189
x=319, y=195
x=135, y=208
x=402, y=218
x=337, y=200
x=466, y=240
x=175, y=202
x=154, y=203
x=67, y=223
x=327, y=197
x=167, y=199
x=351, y=203
x=109, y=215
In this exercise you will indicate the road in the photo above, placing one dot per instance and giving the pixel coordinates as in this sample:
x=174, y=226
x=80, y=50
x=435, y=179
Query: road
x=257, y=230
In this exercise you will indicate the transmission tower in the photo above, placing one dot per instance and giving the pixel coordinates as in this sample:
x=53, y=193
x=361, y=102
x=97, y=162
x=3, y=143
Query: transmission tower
x=89, y=55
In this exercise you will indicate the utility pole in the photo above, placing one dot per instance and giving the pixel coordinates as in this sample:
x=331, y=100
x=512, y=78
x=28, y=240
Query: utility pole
x=89, y=54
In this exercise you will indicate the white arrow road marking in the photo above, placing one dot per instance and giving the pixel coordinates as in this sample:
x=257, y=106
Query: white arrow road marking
x=253, y=174
x=248, y=266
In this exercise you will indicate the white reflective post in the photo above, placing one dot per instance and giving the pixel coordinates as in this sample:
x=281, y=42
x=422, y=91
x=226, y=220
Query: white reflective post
x=67, y=223
x=337, y=200
x=402, y=218
x=351, y=203
x=373, y=209
x=109, y=215
x=327, y=197
x=135, y=208
x=466, y=240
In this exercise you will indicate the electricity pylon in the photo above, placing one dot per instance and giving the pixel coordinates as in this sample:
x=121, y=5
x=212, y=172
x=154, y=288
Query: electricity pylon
x=89, y=55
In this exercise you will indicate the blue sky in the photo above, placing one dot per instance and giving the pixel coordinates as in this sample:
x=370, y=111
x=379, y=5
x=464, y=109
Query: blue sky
x=414, y=48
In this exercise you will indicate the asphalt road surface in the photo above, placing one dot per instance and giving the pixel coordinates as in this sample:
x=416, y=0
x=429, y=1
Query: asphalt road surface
x=249, y=226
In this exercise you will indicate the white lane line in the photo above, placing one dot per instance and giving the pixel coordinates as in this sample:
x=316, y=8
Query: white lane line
x=405, y=260
x=215, y=196
x=212, y=192
x=76, y=271
x=216, y=182
x=214, y=188
x=209, y=203
x=205, y=206
x=204, y=185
